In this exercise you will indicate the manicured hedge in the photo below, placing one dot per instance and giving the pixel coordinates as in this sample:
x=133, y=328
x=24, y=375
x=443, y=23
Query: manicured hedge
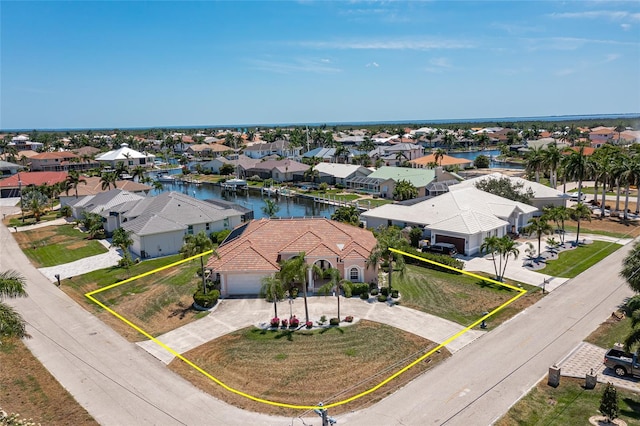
x=441, y=258
x=359, y=288
x=206, y=300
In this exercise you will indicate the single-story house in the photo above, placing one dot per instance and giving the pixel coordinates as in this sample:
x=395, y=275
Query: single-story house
x=159, y=224
x=124, y=154
x=464, y=217
x=93, y=186
x=334, y=173
x=100, y=203
x=242, y=162
x=429, y=161
x=382, y=182
x=542, y=195
x=278, y=170
x=255, y=249
x=281, y=148
x=11, y=186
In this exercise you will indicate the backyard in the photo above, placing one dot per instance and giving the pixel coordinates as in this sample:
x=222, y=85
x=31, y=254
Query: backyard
x=458, y=298
x=57, y=244
x=278, y=365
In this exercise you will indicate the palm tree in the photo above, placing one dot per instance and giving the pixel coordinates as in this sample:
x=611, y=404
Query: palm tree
x=631, y=269
x=72, y=181
x=580, y=212
x=439, y=155
x=559, y=214
x=336, y=283
x=122, y=239
x=272, y=289
x=107, y=179
x=194, y=245
x=551, y=159
x=298, y=270
x=575, y=166
x=138, y=173
x=507, y=248
x=36, y=207
x=534, y=162
x=12, y=285
x=540, y=227
x=270, y=207
x=157, y=186
x=449, y=140
x=404, y=190
x=388, y=238
x=492, y=245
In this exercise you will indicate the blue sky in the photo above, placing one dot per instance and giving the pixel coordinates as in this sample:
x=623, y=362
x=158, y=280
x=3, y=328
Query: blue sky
x=153, y=64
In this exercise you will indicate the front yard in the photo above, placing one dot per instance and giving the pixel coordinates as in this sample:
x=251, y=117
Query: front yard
x=458, y=298
x=305, y=367
x=57, y=244
x=571, y=263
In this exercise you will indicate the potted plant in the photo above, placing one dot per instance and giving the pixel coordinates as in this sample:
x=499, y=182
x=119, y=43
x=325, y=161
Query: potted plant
x=275, y=322
x=349, y=318
x=309, y=324
x=294, y=322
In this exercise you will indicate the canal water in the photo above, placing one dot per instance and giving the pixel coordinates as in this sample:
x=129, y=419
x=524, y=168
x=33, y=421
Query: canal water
x=254, y=200
x=492, y=154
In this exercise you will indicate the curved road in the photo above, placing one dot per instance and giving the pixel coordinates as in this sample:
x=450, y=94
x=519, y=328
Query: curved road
x=119, y=383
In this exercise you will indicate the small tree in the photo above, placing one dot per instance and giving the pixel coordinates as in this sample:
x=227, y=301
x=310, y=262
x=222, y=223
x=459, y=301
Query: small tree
x=196, y=244
x=481, y=162
x=609, y=403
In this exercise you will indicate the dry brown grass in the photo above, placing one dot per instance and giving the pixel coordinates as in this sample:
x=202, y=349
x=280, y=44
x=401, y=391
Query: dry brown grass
x=629, y=228
x=304, y=368
x=27, y=388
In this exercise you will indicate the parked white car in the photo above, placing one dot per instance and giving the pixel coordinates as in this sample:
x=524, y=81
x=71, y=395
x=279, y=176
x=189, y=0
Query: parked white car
x=574, y=196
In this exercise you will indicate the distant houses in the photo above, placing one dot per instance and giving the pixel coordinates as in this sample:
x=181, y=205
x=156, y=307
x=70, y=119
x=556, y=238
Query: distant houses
x=129, y=157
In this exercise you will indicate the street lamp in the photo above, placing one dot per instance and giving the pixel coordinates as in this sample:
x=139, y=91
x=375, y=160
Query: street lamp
x=20, y=191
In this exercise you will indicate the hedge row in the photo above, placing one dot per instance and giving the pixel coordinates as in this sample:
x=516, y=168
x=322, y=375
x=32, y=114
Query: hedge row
x=440, y=258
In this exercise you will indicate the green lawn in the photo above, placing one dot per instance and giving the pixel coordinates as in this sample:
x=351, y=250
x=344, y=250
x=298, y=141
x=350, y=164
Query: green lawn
x=568, y=404
x=610, y=332
x=55, y=245
x=584, y=230
x=571, y=263
x=30, y=220
x=458, y=298
x=591, y=190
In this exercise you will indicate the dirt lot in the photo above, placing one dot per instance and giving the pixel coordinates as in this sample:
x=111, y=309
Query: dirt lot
x=629, y=229
x=27, y=388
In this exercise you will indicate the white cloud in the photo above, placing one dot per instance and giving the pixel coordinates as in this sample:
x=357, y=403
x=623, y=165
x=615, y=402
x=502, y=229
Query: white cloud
x=625, y=27
x=389, y=44
x=612, y=57
x=296, y=65
x=613, y=15
x=565, y=72
x=326, y=61
x=372, y=64
x=440, y=62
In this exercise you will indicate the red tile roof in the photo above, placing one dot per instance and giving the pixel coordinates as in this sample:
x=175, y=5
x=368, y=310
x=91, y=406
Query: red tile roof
x=33, y=178
x=266, y=241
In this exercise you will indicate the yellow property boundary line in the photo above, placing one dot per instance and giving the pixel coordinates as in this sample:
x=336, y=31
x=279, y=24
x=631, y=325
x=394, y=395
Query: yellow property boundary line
x=90, y=295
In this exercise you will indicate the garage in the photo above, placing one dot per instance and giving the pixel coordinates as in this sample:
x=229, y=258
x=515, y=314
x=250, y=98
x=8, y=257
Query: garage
x=458, y=242
x=242, y=284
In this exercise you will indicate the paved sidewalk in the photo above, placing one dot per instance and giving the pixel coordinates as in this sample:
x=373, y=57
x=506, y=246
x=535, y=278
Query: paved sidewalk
x=83, y=266
x=61, y=221
x=587, y=358
x=233, y=314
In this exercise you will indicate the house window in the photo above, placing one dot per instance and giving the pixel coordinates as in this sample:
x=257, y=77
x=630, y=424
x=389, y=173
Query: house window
x=208, y=226
x=131, y=162
x=190, y=230
x=354, y=275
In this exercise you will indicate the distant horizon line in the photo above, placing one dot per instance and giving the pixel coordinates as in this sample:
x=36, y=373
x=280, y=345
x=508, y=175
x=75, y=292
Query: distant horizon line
x=550, y=118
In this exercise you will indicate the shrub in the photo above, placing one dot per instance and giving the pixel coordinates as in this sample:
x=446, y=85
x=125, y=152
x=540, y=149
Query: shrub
x=334, y=321
x=358, y=289
x=294, y=292
x=308, y=324
x=323, y=319
x=207, y=300
x=275, y=322
x=348, y=318
x=285, y=323
x=382, y=298
x=394, y=294
x=384, y=291
x=295, y=322
x=440, y=258
x=375, y=292
x=364, y=296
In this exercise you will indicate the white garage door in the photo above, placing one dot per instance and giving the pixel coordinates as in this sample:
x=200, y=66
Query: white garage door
x=245, y=284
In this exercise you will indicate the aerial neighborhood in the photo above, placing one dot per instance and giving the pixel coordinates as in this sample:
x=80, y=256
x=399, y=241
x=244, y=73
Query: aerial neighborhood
x=195, y=235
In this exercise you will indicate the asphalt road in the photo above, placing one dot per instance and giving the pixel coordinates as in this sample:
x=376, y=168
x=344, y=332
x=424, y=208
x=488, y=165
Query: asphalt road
x=120, y=384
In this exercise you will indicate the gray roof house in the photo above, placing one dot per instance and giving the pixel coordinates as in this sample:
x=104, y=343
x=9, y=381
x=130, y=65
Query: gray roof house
x=334, y=173
x=102, y=202
x=278, y=170
x=464, y=217
x=159, y=224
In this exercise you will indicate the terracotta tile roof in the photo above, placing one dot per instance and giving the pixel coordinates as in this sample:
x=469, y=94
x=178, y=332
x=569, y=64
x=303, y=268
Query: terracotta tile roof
x=264, y=242
x=447, y=160
x=33, y=178
x=54, y=155
x=94, y=186
x=588, y=150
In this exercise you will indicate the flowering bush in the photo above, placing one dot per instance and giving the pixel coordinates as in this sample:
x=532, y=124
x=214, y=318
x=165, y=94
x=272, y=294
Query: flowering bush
x=275, y=322
x=309, y=324
x=295, y=322
x=285, y=323
x=349, y=318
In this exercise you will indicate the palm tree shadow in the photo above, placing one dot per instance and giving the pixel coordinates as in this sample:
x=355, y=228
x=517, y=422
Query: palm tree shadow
x=325, y=330
x=288, y=334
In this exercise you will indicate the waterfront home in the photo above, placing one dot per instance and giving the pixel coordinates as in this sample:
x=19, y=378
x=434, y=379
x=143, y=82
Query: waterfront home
x=93, y=186
x=60, y=160
x=207, y=150
x=101, y=202
x=278, y=170
x=382, y=182
x=464, y=217
x=159, y=224
x=255, y=250
x=240, y=162
x=124, y=154
x=542, y=195
x=334, y=173
x=394, y=155
x=429, y=161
